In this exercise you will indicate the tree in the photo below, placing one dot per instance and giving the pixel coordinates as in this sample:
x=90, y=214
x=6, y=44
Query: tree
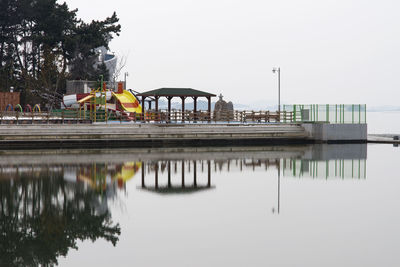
x=42, y=43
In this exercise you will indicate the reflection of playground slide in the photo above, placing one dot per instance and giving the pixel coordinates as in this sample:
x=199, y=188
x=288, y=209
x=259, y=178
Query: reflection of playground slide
x=128, y=170
x=100, y=176
x=128, y=102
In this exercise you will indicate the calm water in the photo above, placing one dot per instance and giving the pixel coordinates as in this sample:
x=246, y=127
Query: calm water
x=330, y=205
x=383, y=122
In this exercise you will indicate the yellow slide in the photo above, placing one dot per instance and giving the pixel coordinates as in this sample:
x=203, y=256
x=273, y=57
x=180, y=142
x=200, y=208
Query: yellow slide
x=128, y=102
x=83, y=100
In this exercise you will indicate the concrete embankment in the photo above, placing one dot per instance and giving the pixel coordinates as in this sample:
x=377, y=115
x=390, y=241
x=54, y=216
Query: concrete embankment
x=164, y=135
x=148, y=135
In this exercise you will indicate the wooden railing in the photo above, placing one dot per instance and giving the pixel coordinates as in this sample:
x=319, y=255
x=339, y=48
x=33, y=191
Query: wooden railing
x=204, y=116
x=63, y=117
x=150, y=116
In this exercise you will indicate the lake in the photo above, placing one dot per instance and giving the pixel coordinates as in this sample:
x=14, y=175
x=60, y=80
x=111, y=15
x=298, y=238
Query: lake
x=381, y=122
x=306, y=205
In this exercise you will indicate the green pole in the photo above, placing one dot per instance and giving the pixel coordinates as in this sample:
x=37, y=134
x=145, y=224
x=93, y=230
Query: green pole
x=336, y=113
x=335, y=167
x=317, y=111
x=294, y=113
x=343, y=114
x=352, y=113
x=365, y=166
x=294, y=168
x=327, y=112
x=327, y=169
x=365, y=113
x=342, y=168
x=301, y=112
x=284, y=112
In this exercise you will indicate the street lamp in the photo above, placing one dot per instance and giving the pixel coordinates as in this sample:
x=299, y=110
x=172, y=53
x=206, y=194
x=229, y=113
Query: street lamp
x=125, y=75
x=278, y=70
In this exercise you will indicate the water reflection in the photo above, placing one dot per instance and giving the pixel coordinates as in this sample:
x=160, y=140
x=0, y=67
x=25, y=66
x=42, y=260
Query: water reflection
x=43, y=216
x=169, y=187
x=51, y=199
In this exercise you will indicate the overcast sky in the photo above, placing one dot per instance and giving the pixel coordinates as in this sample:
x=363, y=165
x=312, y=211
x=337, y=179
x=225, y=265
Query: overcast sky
x=329, y=51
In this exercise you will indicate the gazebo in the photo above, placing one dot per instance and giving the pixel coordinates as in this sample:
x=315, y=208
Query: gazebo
x=182, y=93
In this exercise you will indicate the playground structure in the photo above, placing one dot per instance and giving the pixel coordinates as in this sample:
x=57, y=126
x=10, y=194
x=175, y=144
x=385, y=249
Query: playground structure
x=100, y=105
x=104, y=104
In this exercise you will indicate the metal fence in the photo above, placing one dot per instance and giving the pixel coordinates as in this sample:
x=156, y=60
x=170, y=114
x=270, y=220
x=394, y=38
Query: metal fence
x=290, y=114
x=337, y=113
x=336, y=168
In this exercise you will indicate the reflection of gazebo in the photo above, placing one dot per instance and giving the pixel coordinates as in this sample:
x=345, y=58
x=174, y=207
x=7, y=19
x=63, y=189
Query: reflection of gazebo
x=177, y=189
x=182, y=93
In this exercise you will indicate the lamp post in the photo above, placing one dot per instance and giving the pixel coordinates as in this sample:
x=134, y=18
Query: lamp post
x=279, y=189
x=278, y=70
x=125, y=75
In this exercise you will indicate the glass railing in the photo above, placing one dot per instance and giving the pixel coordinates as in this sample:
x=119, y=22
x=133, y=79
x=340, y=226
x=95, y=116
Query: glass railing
x=333, y=168
x=329, y=113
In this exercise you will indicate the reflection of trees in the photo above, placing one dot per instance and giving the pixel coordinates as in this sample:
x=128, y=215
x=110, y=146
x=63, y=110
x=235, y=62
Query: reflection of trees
x=42, y=218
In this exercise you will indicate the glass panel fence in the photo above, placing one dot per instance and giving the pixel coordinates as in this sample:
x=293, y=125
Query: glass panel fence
x=331, y=113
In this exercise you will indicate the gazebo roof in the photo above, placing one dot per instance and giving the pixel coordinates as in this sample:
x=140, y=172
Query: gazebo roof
x=175, y=92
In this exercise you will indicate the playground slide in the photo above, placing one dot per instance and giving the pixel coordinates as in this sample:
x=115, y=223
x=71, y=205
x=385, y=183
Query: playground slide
x=73, y=99
x=129, y=102
x=85, y=99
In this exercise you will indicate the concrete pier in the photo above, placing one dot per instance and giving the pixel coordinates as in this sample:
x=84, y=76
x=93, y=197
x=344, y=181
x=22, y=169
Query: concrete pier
x=147, y=135
x=384, y=139
x=337, y=132
x=157, y=135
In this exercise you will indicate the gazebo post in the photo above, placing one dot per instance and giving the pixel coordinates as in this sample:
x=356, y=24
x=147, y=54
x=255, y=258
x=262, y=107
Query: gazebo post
x=194, y=173
x=156, y=100
x=169, y=173
x=183, y=108
x=156, y=115
x=169, y=108
x=183, y=173
x=156, y=176
x=143, y=108
x=209, y=108
x=143, y=166
x=195, y=109
x=209, y=173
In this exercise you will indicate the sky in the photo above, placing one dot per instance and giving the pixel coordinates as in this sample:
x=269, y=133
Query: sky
x=329, y=51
